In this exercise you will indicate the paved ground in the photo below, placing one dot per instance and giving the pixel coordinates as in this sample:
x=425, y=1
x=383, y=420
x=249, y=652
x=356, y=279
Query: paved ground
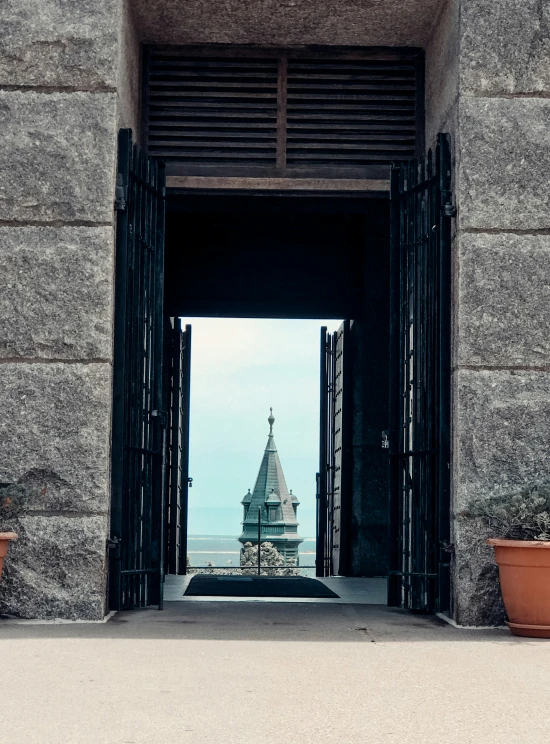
x=244, y=673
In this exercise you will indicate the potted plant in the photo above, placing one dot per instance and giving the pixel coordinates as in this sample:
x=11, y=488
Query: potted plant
x=520, y=523
x=10, y=503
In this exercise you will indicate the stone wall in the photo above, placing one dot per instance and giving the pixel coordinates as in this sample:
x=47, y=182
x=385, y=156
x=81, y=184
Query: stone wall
x=487, y=83
x=287, y=22
x=501, y=374
x=59, y=73
x=129, y=73
x=442, y=65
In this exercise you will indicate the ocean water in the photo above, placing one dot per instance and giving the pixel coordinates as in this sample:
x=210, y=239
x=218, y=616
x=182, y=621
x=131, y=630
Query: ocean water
x=224, y=550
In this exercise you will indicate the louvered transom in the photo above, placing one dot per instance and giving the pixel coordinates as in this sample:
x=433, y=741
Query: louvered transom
x=350, y=112
x=212, y=110
x=279, y=114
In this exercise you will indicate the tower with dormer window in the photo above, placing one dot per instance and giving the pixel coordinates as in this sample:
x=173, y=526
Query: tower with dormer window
x=278, y=507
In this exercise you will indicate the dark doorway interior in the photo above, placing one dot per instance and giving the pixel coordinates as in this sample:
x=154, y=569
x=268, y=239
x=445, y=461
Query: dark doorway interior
x=302, y=257
x=272, y=257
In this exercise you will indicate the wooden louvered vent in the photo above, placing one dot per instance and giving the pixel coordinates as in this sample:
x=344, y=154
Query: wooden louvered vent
x=291, y=115
x=350, y=112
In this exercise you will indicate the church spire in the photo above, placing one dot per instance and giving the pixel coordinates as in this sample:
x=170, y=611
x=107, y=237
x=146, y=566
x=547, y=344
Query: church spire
x=277, y=505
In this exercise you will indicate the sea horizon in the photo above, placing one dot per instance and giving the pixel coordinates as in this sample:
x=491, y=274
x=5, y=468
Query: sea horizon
x=224, y=550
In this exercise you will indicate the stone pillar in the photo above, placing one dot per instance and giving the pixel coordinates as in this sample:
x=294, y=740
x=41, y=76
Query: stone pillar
x=59, y=67
x=502, y=366
x=488, y=83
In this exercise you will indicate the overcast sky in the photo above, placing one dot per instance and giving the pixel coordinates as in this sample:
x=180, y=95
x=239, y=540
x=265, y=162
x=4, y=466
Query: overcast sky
x=239, y=369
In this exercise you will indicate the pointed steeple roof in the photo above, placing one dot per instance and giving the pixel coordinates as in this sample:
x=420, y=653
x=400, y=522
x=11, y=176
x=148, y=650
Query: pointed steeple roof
x=271, y=488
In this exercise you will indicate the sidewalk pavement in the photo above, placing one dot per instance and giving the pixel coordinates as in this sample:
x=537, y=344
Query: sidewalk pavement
x=245, y=673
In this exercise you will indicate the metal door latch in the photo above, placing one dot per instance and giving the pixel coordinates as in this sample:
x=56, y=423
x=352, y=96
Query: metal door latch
x=162, y=415
x=385, y=440
x=113, y=543
x=190, y=482
x=120, y=194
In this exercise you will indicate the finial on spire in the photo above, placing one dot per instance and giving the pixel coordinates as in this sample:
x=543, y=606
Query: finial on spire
x=271, y=420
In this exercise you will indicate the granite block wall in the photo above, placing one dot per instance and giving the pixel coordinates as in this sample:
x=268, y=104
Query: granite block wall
x=494, y=56
x=63, y=93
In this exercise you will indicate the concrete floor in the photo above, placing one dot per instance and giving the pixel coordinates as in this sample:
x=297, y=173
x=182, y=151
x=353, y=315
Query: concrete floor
x=243, y=673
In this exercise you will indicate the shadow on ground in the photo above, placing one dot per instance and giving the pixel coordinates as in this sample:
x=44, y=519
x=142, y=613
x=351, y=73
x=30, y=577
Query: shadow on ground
x=262, y=621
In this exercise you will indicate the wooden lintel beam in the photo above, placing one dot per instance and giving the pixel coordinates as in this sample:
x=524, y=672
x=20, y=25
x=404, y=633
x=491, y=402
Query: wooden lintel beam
x=277, y=184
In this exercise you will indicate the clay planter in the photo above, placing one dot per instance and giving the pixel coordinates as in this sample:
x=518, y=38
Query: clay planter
x=524, y=568
x=5, y=538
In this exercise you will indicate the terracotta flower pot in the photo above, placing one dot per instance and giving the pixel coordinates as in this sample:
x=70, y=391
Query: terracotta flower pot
x=524, y=568
x=5, y=538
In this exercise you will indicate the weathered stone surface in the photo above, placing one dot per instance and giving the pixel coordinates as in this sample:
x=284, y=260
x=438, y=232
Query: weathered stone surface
x=56, y=292
x=477, y=595
x=58, y=42
x=54, y=433
x=502, y=431
x=57, y=156
x=505, y=46
x=56, y=569
x=504, y=300
x=333, y=22
x=442, y=60
x=129, y=71
x=504, y=163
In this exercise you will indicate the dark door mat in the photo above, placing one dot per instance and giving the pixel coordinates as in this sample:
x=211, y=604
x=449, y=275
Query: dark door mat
x=202, y=585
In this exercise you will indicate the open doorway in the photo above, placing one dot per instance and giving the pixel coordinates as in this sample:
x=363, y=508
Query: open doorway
x=282, y=256
x=246, y=459
x=277, y=257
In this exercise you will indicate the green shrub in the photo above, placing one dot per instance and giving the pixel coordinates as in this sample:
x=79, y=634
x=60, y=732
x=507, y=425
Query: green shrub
x=521, y=515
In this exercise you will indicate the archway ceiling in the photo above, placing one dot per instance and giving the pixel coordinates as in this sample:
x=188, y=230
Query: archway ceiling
x=287, y=22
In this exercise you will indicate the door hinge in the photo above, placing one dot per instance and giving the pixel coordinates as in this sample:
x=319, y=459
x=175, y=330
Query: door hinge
x=113, y=543
x=448, y=548
x=449, y=210
x=447, y=206
x=120, y=194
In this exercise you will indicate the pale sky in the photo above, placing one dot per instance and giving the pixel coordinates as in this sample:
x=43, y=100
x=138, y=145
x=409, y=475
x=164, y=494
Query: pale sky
x=239, y=369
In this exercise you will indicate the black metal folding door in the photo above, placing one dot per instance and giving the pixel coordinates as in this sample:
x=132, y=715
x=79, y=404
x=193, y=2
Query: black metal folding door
x=139, y=422
x=422, y=208
x=333, y=477
x=178, y=346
